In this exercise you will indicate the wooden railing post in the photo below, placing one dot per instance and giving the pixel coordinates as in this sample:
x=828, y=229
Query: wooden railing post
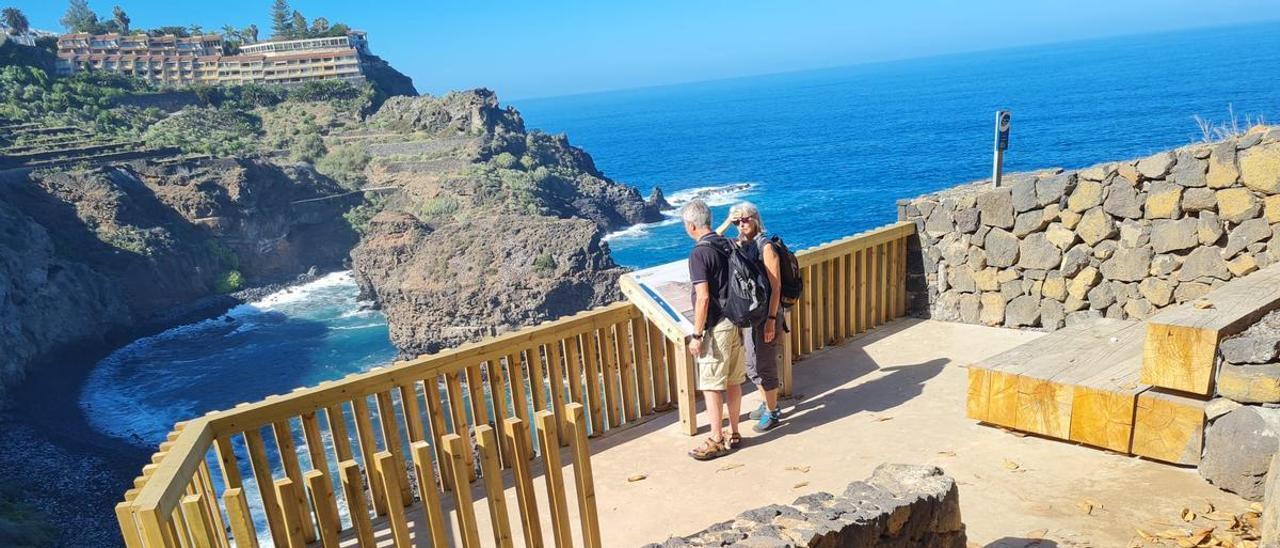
x=491, y=467
x=386, y=464
x=290, y=514
x=198, y=525
x=454, y=447
x=518, y=437
x=582, y=476
x=429, y=492
x=326, y=507
x=353, y=488
x=686, y=382
x=242, y=528
x=549, y=441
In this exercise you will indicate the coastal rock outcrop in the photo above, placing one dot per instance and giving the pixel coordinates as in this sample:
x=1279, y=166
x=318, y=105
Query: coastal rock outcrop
x=88, y=255
x=492, y=227
x=1118, y=239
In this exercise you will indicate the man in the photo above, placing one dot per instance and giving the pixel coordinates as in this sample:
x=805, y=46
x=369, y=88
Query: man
x=716, y=342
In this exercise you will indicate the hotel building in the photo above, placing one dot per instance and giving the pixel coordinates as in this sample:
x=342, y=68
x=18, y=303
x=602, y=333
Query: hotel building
x=179, y=61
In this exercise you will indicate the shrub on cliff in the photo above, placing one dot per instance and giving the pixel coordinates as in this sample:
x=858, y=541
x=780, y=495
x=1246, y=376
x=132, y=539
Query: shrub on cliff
x=230, y=281
x=345, y=164
x=359, y=216
x=220, y=132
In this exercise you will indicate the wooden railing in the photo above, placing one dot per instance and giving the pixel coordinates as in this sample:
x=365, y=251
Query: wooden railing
x=278, y=469
x=572, y=378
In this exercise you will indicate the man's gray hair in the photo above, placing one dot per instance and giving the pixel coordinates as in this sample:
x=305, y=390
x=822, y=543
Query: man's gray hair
x=696, y=213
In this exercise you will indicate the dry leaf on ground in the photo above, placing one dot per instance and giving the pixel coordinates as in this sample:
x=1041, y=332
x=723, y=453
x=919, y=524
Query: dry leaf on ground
x=1085, y=507
x=730, y=466
x=637, y=477
x=799, y=485
x=947, y=453
x=801, y=469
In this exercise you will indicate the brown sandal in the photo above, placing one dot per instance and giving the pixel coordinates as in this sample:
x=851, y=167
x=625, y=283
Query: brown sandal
x=735, y=440
x=709, y=449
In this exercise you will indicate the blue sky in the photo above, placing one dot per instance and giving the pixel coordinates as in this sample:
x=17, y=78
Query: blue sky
x=560, y=47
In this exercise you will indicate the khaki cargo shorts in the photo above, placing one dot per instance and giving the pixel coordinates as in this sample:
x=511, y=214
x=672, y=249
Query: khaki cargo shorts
x=722, y=362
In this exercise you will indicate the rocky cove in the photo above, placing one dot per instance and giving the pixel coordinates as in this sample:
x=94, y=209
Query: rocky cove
x=480, y=226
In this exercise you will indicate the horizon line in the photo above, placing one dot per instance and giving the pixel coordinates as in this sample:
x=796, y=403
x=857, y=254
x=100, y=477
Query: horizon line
x=888, y=60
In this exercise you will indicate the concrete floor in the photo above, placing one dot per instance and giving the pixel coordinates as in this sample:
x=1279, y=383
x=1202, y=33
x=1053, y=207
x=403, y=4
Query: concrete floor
x=894, y=395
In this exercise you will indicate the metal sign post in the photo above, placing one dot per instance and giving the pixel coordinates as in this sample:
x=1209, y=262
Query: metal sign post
x=1002, y=143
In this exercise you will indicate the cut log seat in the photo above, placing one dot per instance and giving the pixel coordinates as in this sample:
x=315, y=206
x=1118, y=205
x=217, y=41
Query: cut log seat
x=1037, y=386
x=1182, y=341
x=1169, y=427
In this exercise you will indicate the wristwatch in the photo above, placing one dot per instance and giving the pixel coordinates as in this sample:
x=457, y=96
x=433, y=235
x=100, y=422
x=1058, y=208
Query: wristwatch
x=699, y=336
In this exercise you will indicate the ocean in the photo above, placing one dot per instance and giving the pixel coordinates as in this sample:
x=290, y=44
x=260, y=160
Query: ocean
x=823, y=154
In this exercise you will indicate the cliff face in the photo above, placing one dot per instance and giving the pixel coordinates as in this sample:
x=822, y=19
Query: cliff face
x=494, y=227
x=91, y=254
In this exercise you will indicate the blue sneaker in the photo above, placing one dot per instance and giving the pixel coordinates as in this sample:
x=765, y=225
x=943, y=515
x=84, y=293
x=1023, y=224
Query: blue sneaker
x=768, y=420
x=759, y=412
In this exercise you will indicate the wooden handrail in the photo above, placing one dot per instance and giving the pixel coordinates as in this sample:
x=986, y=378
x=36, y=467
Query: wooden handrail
x=380, y=379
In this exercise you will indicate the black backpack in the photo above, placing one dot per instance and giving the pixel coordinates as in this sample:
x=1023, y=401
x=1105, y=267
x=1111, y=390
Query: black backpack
x=792, y=283
x=746, y=301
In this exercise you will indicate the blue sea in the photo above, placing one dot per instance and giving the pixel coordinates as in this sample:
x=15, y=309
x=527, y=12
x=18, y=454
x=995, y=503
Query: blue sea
x=825, y=154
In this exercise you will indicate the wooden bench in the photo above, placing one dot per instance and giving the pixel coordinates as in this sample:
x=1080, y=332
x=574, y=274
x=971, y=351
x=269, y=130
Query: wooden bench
x=1182, y=341
x=1079, y=383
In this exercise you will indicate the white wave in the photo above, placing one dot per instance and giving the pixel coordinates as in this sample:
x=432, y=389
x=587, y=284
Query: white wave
x=639, y=230
x=117, y=406
x=305, y=291
x=714, y=195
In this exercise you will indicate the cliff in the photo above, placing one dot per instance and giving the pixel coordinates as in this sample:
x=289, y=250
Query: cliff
x=88, y=256
x=1118, y=239
x=493, y=227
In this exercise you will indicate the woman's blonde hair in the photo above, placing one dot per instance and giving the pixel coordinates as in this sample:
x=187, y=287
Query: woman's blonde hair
x=747, y=209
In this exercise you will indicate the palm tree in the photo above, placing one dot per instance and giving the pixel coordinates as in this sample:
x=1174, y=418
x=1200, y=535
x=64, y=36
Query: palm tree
x=15, y=20
x=121, y=18
x=231, y=34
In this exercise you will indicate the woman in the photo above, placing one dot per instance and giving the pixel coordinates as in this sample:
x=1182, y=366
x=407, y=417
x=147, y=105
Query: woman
x=761, y=341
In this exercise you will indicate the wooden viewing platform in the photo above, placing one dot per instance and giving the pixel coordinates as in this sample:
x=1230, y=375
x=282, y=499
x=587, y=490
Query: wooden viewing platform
x=426, y=428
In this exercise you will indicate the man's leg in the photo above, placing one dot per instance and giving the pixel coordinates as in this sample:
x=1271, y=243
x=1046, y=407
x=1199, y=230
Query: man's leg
x=715, y=413
x=734, y=397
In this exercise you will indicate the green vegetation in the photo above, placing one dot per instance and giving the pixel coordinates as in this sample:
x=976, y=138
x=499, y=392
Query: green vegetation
x=345, y=164
x=224, y=254
x=545, y=264
x=229, y=281
x=217, y=131
x=359, y=216
x=289, y=24
x=15, y=20
x=505, y=160
x=29, y=94
x=439, y=208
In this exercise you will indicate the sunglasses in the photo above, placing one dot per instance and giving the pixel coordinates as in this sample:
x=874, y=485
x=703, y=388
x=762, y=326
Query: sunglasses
x=742, y=221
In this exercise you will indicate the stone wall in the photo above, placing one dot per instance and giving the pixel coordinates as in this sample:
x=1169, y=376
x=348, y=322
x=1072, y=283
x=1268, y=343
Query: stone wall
x=1118, y=239
x=1243, y=434
x=900, y=505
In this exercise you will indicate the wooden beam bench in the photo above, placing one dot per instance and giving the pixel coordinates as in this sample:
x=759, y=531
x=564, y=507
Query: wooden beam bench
x=1079, y=383
x=1182, y=341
